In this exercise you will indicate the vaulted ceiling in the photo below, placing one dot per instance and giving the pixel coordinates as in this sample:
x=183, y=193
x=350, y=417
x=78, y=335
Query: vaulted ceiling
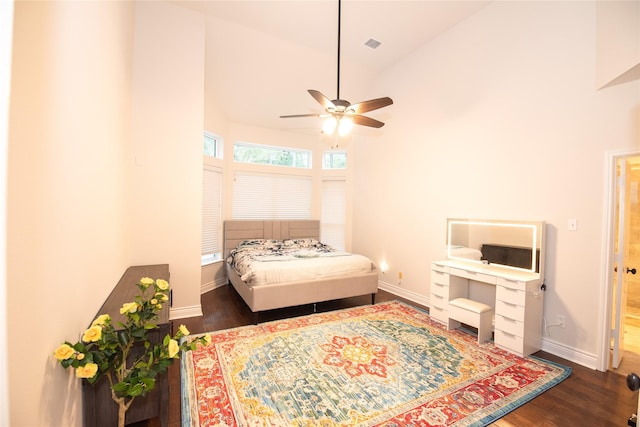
x=262, y=56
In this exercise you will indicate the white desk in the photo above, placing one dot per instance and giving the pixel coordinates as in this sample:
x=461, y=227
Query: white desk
x=516, y=298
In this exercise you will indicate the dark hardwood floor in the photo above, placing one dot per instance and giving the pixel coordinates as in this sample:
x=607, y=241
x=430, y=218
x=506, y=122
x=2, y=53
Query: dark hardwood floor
x=586, y=398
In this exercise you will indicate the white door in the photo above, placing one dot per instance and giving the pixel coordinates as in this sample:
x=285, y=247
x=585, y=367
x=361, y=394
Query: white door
x=626, y=208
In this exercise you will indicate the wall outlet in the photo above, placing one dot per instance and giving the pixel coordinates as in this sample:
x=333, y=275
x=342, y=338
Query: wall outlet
x=560, y=321
x=400, y=278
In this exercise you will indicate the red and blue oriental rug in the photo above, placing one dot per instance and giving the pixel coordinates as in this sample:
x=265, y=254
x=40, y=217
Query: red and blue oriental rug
x=380, y=365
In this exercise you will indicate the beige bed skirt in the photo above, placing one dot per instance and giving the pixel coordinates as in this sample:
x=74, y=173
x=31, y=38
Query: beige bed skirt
x=279, y=295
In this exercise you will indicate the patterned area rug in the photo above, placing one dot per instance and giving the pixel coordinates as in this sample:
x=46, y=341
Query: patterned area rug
x=379, y=365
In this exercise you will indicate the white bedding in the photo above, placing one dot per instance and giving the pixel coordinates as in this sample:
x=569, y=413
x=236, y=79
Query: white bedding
x=260, y=262
x=297, y=269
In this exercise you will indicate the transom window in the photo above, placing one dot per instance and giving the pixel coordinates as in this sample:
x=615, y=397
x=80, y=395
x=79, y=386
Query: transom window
x=212, y=145
x=245, y=152
x=334, y=160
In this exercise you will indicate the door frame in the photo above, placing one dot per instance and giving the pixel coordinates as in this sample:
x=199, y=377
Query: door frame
x=608, y=253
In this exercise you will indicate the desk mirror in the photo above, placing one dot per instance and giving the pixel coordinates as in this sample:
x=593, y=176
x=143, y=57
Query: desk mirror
x=512, y=244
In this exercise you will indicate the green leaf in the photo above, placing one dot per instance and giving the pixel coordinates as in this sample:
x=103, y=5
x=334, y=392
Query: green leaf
x=138, y=333
x=149, y=383
x=123, y=338
x=121, y=387
x=79, y=346
x=136, y=390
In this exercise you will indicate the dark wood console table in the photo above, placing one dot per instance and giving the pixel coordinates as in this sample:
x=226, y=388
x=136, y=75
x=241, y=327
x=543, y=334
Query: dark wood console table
x=99, y=409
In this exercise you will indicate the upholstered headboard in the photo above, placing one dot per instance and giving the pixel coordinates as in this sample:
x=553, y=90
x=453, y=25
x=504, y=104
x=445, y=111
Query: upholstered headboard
x=235, y=231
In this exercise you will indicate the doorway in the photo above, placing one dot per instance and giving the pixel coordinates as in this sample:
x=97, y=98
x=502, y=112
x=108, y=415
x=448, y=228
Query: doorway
x=625, y=321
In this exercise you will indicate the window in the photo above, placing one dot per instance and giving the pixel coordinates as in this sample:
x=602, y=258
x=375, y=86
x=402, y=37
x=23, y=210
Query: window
x=269, y=196
x=332, y=223
x=244, y=152
x=334, y=160
x=212, y=145
x=211, y=215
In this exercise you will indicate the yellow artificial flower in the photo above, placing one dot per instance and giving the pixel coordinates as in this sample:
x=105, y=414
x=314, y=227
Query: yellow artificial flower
x=159, y=306
x=161, y=296
x=162, y=284
x=129, y=307
x=183, y=330
x=63, y=352
x=92, y=334
x=207, y=339
x=146, y=281
x=87, y=371
x=80, y=356
x=173, y=348
x=153, y=301
x=101, y=320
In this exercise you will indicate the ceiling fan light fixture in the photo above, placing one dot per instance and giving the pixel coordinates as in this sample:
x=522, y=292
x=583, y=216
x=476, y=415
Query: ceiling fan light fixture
x=346, y=124
x=329, y=125
x=342, y=114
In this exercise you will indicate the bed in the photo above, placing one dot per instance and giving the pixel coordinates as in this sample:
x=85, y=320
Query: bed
x=261, y=292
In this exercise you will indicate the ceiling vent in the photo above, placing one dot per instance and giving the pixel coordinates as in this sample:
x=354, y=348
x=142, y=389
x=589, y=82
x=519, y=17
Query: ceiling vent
x=372, y=43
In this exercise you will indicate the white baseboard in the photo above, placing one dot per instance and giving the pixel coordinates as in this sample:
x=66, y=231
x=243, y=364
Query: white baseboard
x=404, y=293
x=212, y=285
x=182, y=312
x=571, y=354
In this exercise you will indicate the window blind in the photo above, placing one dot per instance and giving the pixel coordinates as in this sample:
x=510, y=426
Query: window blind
x=270, y=196
x=211, y=214
x=332, y=223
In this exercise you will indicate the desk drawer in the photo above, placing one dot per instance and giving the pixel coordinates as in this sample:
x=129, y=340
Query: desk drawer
x=439, y=277
x=439, y=267
x=513, y=284
x=439, y=301
x=510, y=295
x=438, y=313
x=509, y=325
x=440, y=289
x=508, y=341
x=472, y=275
x=512, y=311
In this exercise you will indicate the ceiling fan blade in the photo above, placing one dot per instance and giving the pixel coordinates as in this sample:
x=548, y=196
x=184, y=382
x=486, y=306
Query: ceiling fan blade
x=323, y=100
x=367, y=121
x=301, y=115
x=372, y=104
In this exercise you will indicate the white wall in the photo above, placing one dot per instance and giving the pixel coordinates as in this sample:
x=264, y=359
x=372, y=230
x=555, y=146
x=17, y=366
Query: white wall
x=500, y=118
x=168, y=119
x=105, y=164
x=69, y=130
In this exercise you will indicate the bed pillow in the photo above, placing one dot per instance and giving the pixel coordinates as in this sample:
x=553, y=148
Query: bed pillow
x=302, y=243
x=260, y=243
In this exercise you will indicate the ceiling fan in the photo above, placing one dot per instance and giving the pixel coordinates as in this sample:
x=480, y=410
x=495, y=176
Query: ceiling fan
x=340, y=113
